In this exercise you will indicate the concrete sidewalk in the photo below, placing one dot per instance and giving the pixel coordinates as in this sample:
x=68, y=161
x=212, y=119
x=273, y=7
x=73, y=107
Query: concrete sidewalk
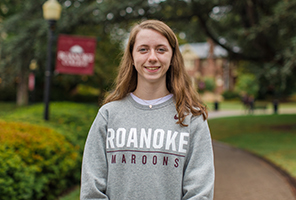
x=243, y=176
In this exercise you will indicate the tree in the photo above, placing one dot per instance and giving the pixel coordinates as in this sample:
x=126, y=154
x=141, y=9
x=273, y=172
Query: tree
x=20, y=42
x=24, y=37
x=262, y=33
x=265, y=35
x=257, y=31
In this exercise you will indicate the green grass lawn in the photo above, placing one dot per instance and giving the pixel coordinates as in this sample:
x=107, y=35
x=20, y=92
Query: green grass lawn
x=7, y=107
x=270, y=136
x=73, y=195
x=226, y=105
x=288, y=105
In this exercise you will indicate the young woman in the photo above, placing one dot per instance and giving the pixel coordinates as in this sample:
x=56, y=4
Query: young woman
x=150, y=140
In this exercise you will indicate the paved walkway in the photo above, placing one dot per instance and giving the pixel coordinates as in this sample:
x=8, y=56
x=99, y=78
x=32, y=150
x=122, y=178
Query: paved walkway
x=242, y=176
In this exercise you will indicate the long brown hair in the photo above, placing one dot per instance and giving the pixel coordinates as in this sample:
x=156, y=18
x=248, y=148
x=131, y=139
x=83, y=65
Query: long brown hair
x=177, y=81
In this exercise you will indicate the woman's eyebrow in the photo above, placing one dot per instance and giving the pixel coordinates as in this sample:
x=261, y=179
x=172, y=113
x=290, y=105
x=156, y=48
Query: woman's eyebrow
x=158, y=45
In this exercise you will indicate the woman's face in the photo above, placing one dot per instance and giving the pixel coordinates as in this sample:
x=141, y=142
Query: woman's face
x=152, y=56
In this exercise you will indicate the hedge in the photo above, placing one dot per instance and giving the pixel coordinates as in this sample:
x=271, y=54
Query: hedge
x=36, y=162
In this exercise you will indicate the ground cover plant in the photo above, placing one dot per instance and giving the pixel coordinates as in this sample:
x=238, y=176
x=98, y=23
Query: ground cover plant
x=69, y=121
x=72, y=120
x=6, y=107
x=36, y=162
x=270, y=136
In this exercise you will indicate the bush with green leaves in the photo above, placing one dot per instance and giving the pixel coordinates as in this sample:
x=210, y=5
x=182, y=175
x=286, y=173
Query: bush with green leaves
x=247, y=84
x=230, y=95
x=36, y=162
x=16, y=178
x=207, y=84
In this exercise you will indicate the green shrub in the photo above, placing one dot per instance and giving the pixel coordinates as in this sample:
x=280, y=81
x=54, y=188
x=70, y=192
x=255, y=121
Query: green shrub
x=36, y=162
x=16, y=178
x=210, y=84
x=227, y=95
x=207, y=84
x=247, y=84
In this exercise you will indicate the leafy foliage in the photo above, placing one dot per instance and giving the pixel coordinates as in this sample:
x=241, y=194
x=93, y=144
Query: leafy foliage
x=72, y=120
x=206, y=84
x=247, y=84
x=262, y=33
x=17, y=179
x=37, y=162
x=230, y=95
x=23, y=37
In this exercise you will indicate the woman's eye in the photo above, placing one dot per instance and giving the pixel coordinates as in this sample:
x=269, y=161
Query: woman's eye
x=142, y=50
x=161, y=50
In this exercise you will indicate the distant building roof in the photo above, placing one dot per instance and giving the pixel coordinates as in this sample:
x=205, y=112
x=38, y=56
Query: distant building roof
x=202, y=49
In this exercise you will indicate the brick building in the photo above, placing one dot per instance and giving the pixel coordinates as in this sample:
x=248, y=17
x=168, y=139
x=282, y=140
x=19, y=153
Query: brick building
x=207, y=60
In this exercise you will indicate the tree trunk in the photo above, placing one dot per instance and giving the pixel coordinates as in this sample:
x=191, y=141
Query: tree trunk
x=22, y=94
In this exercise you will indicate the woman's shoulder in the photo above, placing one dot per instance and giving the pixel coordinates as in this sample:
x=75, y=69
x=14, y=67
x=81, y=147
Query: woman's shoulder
x=114, y=105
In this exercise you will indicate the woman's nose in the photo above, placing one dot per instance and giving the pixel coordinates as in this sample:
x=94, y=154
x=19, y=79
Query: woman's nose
x=152, y=56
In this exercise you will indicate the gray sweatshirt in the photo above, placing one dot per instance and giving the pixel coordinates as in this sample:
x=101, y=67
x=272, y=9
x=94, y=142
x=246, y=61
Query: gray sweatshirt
x=133, y=152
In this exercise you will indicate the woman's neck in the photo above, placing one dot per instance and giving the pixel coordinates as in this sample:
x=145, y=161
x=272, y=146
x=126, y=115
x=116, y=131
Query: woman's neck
x=150, y=92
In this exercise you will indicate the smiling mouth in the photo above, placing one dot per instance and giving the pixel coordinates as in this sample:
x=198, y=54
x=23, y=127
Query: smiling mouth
x=152, y=68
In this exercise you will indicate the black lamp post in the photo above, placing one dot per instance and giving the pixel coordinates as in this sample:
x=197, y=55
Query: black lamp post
x=51, y=12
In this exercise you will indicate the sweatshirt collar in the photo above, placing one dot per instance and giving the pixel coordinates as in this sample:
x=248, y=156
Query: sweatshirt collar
x=146, y=107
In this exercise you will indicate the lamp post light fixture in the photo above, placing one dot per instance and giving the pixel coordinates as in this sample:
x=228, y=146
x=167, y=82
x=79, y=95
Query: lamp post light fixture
x=51, y=12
